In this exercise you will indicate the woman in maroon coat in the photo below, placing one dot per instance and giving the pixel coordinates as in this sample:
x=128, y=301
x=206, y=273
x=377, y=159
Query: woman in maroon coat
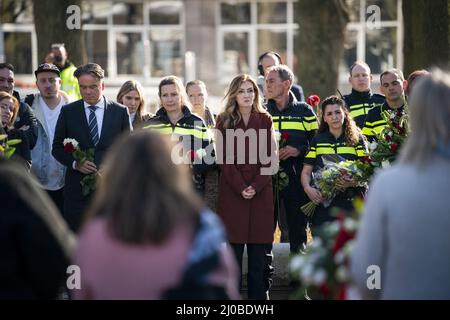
x=246, y=153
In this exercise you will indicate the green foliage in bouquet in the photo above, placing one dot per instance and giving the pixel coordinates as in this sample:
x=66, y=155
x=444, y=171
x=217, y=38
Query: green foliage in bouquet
x=7, y=148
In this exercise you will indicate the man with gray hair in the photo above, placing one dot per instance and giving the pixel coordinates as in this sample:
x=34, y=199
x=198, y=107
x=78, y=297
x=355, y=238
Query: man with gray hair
x=296, y=125
x=94, y=122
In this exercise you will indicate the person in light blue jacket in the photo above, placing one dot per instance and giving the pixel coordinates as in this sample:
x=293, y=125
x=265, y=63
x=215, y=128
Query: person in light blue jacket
x=46, y=106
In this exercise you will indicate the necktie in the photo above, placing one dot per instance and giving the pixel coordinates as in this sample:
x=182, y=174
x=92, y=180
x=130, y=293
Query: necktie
x=93, y=128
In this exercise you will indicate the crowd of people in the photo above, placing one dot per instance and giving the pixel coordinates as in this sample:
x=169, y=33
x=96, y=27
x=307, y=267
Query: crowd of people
x=178, y=195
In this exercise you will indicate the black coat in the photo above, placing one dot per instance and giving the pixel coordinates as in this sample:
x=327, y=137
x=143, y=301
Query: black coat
x=72, y=123
x=33, y=262
x=25, y=117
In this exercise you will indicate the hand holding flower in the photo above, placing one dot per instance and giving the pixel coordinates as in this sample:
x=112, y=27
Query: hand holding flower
x=345, y=182
x=288, y=151
x=86, y=167
x=314, y=195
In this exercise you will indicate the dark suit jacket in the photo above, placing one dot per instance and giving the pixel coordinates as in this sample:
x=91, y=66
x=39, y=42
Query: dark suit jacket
x=72, y=123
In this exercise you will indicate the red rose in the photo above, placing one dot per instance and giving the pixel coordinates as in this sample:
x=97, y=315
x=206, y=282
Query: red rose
x=399, y=113
x=192, y=155
x=68, y=147
x=394, y=147
x=342, y=293
x=324, y=290
x=388, y=138
x=340, y=216
x=284, y=136
x=313, y=100
x=341, y=239
x=366, y=160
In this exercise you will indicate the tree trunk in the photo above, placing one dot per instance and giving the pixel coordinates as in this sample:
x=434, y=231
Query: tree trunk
x=426, y=39
x=50, y=18
x=319, y=44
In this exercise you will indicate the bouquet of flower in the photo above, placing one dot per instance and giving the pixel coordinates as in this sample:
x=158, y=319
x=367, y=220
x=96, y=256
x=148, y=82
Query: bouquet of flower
x=6, y=147
x=88, y=182
x=323, y=270
x=326, y=179
x=384, y=151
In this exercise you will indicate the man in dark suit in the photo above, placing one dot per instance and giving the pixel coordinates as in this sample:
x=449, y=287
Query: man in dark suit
x=94, y=122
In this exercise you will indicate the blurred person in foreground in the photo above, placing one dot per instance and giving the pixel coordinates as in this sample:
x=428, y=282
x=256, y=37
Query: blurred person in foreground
x=154, y=239
x=35, y=242
x=406, y=222
x=413, y=77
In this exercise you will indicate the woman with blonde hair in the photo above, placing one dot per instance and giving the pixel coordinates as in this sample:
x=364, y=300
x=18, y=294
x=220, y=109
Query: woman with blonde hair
x=404, y=228
x=175, y=118
x=245, y=183
x=147, y=235
x=131, y=95
x=338, y=136
x=197, y=94
x=9, y=108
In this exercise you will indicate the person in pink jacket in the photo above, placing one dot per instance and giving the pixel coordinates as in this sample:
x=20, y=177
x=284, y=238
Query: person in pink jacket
x=147, y=234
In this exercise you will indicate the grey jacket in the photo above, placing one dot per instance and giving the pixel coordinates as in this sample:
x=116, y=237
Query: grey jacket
x=42, y=151
x=405, y=232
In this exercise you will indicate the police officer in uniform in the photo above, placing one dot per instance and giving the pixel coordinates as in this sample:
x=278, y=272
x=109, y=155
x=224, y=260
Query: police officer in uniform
x=174, y=117
x=340, y=138
x=297, y=124
x=361, y=99
x=393, y=85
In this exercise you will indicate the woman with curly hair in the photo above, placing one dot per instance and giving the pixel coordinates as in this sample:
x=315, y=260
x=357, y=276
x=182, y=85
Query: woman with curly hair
x=337, y=137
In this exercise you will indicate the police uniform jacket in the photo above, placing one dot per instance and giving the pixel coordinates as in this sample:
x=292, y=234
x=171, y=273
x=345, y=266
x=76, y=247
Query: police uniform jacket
x=360, y=103
x=374, y=122
x=193, y=134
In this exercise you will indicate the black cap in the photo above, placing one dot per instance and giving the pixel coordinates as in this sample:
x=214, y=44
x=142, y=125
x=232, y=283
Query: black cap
x=47, y=67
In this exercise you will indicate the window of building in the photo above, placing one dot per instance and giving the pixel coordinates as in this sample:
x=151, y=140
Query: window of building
x=378, y=42
x=165, y=12
x=18, y=43
x=247, y=28
x=143, y=38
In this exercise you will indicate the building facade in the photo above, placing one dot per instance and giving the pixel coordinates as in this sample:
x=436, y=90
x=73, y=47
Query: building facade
x=212, y=40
